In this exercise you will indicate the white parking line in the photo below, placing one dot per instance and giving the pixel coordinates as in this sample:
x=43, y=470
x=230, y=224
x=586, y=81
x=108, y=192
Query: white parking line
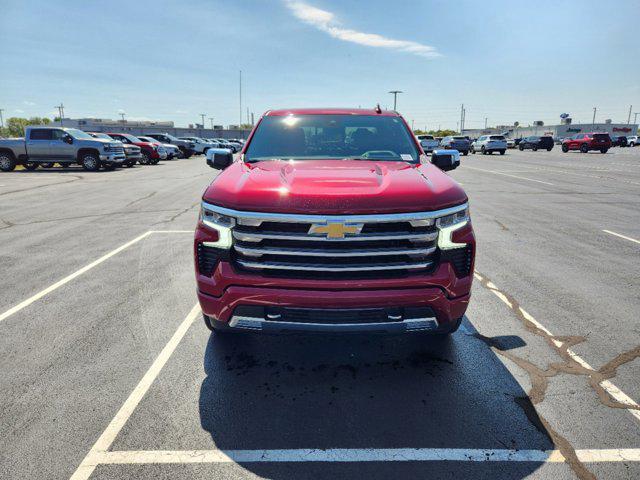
x=88, y=465
x=508, y=175
x=361, y=455
x=609, y=387
x=84, y=269
x=621, y=236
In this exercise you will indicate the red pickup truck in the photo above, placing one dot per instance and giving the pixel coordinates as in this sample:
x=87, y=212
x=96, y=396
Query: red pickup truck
x=333, y=220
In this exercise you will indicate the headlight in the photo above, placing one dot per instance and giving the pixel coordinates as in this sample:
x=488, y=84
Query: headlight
x=449, y=224
x=220, y=223
x=106, y=148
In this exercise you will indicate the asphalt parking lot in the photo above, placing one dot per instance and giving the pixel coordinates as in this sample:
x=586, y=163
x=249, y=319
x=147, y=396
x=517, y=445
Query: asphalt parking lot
x=109, y=372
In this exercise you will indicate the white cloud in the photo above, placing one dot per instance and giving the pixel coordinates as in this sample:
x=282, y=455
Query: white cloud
x=17, y=110
x=28, y=103
x=327, y=22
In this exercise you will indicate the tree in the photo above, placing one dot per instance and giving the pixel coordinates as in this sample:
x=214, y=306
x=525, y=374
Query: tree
x=14, y=126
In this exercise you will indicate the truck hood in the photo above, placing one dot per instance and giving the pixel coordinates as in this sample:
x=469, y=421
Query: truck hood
x=334, y=187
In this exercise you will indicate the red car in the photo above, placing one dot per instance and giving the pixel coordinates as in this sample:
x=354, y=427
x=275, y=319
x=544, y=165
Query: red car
x=151, y=154
x=333, y=221
x=587, y=141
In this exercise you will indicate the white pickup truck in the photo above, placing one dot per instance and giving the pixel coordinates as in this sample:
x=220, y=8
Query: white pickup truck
x=44, y=146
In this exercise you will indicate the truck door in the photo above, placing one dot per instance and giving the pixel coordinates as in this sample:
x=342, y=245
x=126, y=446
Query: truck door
x=59, y=149
x=38, y=143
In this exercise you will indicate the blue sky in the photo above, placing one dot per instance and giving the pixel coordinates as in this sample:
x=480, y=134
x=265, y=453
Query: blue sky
x=508, y=61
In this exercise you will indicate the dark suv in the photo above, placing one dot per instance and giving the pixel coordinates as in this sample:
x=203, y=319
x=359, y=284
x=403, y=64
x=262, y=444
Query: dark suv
x=461, y=144
x=536, y=143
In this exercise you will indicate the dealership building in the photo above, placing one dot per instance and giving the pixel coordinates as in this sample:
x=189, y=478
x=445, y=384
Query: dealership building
x=143, y=127
x=563, y=130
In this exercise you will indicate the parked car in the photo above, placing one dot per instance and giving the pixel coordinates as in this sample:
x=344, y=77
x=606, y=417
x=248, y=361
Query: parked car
x=172, y=150
x=428, y=143
x=43, y=146
x=587, y=141
x=131, y=152
x=186, y=147
x=224, y=143
x=633, y=140
x=458, y=143
x=619, y=141
x=536, y=143
x=200, y=145
x=511, y=143
x=487, y=144
x=151, y=153
x=284, y=227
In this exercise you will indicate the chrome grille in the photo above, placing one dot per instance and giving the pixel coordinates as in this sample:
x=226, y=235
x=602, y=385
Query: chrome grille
x=279, y=244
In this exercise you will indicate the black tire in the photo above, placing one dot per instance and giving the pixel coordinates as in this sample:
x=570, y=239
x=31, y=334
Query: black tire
x=565, y=148
x=448, y=329
x=549, y=149
x=7, y=162
x=130, y=163
x=584, y=148
x=520, y=147
x=90, y=162
x=47, y=165
x=502, y=152
x=219, y=328
x=483, y=150
x=465, y=153
x=154, y=161
x=31, y=166
x=604, y=150
x=110, y=167
x=146, y=159
x=534, y=148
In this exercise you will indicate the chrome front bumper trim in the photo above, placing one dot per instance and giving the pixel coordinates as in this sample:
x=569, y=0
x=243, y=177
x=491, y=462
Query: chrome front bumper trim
x=405, y=326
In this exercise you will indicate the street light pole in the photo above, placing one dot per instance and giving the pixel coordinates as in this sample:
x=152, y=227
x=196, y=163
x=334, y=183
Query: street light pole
x=60, y=111
x=593, y=121
x=203, y=115
x=629, y=116
x=211, y=120
x=395, y=97
x=2, y=120
x=635, y=116
x=122, y=114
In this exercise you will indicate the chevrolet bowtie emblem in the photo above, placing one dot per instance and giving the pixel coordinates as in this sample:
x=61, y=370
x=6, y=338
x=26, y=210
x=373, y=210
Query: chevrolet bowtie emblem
x=335, y=229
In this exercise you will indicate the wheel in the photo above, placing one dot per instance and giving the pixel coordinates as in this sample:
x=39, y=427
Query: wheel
x=65, y=165
x=502, y=152
x=145, y=160
x=110, y=166
x=534, y=148
x=7, y=162
x=31, y=166
x=220, y=328
x=521, y=148
x=584, y=148
x=632, y=144
x=154, y=161
x=483, y=150
x=472, y=150
x=549, y=149
x=90, y=162
x=465, y=153
x=130, y=163
x=448, y=329
x=565, y=148
x=604, y=150
x=47, y=165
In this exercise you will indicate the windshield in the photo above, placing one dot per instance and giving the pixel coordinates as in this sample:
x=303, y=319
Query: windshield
x=131, y=138
x=460, y=138
x=102, y=135
x=75, y=133
x=496, y=137
x=373, y=137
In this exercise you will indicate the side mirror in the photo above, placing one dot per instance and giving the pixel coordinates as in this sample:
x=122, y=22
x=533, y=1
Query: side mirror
x=67, y=139
x=445, y=159
x=221, y=161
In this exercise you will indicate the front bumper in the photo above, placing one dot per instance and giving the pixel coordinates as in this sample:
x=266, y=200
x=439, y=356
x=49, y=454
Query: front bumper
x=113, y=158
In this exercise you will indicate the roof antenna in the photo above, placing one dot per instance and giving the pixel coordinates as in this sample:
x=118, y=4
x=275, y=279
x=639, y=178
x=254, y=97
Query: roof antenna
x=378, y=109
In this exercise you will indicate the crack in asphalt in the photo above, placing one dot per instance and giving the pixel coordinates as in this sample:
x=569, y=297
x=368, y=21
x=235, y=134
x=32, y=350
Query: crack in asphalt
x=141, y=199
x=74, y=179
x=77, y=217
x=181, y=212
x=539, y=377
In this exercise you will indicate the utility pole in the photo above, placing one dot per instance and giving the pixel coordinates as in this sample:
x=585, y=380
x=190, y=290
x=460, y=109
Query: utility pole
x=60, y=111
x=485, y=122
x=211, y=120
x=248, y=121
x=593, y=121
x=464, y=119
x=252, y=124
x=461, y=116
x=635, y=116
x=2, y=121
x=202, y=115
x=629, y=117
x=240, y=98
x=395, y=97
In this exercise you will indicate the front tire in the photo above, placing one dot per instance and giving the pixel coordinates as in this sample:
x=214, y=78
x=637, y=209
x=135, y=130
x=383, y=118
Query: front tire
x=565, y=148
x=502, y=152
x=145, y=160
x=90, y=162
x=521, y=148
x=483, y=150
x=7, y=162
x=549, y=149
x=584, y=148
x=535, y=149
x=604, y=150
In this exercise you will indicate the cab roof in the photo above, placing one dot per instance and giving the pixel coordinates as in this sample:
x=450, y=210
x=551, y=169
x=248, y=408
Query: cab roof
x=330, y=111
